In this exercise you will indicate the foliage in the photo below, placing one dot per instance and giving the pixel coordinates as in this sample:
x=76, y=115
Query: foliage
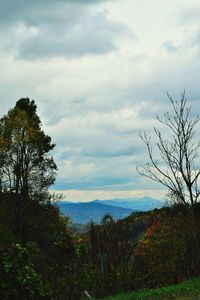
x=36, y=246
x=19, y=279
x=24, y=162
x=149, y=249
x=187, y=290
x=162, y=256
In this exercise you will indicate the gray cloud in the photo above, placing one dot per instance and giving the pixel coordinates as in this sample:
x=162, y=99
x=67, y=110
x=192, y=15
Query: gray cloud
x=94, y=34
x=38, y=30
x=32, y=11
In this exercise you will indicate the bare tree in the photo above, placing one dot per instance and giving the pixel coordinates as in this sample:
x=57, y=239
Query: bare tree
x=178, y=166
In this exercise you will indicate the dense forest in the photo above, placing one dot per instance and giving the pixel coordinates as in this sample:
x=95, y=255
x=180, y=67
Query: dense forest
x=43, y=257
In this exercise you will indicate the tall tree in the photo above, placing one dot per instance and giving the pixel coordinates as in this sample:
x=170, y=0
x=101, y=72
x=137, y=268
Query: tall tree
x=176, y=165
x=25, y=164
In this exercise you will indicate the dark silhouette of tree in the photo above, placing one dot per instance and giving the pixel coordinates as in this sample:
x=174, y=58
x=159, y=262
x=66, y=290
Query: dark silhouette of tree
x=176, y=166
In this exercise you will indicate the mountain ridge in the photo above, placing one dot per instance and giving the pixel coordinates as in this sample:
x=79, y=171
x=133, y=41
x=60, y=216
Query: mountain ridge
x=85, y=212
x=142, y=204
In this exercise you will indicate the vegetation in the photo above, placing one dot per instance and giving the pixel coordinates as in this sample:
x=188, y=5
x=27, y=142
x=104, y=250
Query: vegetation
x=145, y=250
x=43, y=257
x=25, y=166
x=36, y=249
x=177, y=167
x=187, y=290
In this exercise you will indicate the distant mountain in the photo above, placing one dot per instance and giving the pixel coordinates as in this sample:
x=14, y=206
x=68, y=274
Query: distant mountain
x=139, y=204
x=83, y=213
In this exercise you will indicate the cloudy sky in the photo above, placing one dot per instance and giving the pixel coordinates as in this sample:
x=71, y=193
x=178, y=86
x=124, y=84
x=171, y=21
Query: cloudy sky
x=99, y=72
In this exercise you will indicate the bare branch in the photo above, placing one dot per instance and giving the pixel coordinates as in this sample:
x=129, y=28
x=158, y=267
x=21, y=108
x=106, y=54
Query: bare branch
x=177, y=153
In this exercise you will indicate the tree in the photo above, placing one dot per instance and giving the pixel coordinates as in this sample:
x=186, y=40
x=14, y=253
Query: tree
x=19, y=279
x=178, y=167
x=37, y=255
x=25, y=166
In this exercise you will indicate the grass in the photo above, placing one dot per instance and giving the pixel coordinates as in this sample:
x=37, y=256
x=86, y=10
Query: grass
x=188, y=290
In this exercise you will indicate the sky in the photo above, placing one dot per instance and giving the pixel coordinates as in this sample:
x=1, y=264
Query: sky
x=99, y=72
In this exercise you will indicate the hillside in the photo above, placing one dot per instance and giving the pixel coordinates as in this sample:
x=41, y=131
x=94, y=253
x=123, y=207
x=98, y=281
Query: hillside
x=188, y=290
x=145, y=250
x=83, y=213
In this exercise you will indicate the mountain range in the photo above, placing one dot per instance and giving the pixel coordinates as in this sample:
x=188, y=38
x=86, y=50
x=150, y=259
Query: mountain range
x=85, y=212
x=139, y=204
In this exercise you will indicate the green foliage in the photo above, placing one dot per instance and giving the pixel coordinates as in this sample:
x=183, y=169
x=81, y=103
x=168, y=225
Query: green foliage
x=48, y=243
x=24, y=162
x=19, y=279
x=187, y=290
x=105, y=255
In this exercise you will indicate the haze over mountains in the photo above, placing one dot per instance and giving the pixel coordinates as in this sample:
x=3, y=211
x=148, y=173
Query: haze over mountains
x=84, y=212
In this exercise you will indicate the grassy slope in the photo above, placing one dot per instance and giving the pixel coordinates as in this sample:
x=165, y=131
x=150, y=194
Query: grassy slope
x=188, y=290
